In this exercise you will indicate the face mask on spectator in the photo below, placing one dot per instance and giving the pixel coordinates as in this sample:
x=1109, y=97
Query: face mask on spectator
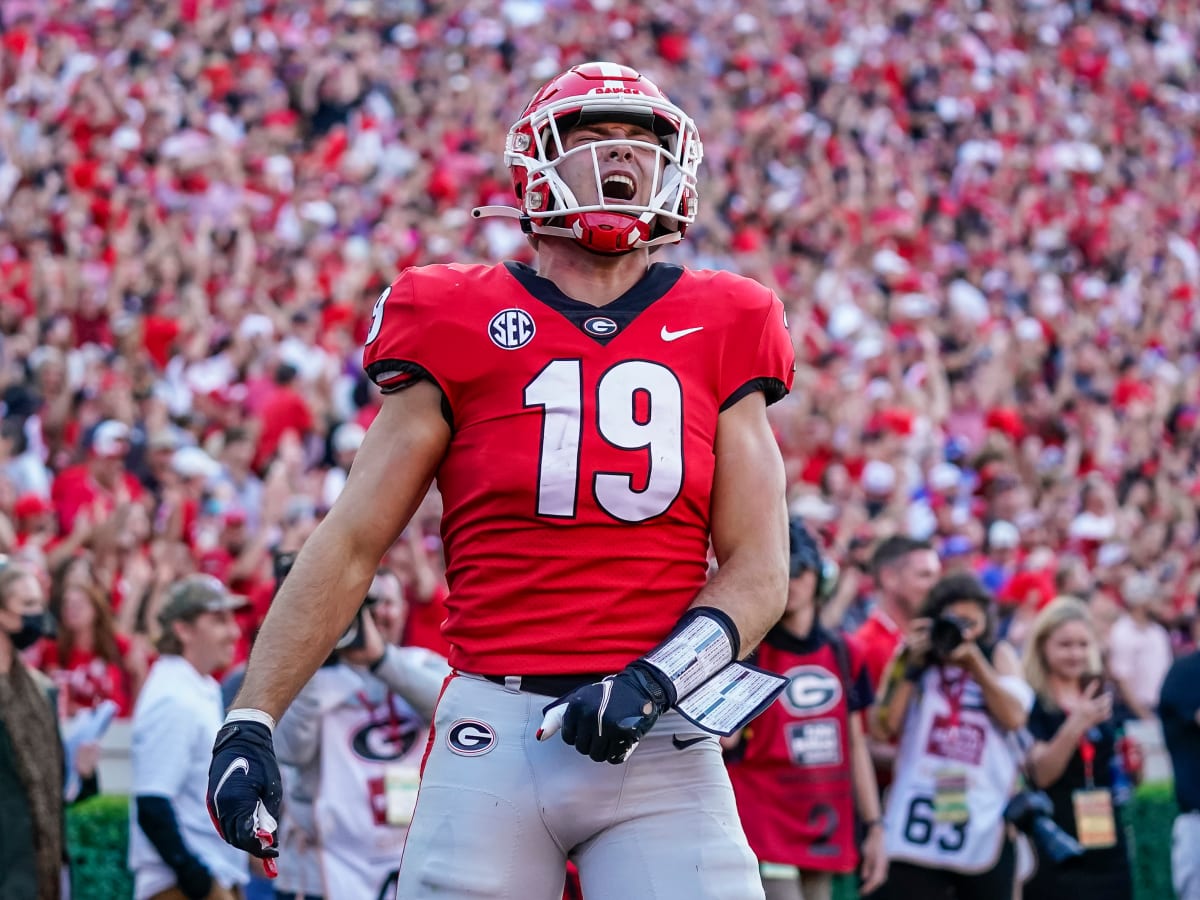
x=33, y=627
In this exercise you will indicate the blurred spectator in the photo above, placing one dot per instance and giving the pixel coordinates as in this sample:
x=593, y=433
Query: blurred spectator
x=347, y=438
x=802, y=770
x=282, y=410
x=417, y=560
x=1074, y=754
x=97, y=488
x=174, y=852
x=952, y=696
x=1139, y=649
x=243, y=489
x=88, y=659
x=354, y=739
x=32, y=764
x=1179, y=708
x=904, y=569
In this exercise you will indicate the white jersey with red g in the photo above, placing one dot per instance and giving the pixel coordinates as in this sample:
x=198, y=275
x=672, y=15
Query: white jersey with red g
x=577, y=485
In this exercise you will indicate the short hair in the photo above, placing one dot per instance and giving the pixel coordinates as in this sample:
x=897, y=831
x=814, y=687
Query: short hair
x=10, y=573
x=893, y=549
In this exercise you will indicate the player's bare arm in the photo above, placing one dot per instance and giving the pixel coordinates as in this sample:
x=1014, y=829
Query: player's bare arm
x=389, y=478
x=749, y=523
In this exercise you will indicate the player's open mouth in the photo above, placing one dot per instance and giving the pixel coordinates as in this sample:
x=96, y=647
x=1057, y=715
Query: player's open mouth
x=618, y=187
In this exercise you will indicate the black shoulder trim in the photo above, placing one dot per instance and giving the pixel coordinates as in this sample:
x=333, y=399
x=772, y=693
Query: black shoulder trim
x=393, y=375
x=773, y=389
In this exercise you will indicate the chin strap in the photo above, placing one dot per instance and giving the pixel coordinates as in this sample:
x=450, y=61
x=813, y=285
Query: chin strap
x=529, y=226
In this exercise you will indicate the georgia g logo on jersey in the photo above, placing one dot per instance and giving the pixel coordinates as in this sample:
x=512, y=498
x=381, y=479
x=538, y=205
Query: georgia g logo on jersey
x=811, y=690
x=511, y=329
x=385, y=741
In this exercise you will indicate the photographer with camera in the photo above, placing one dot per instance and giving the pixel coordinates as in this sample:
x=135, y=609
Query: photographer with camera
x=353, y=739
x=1075, y=755
x=952, y=697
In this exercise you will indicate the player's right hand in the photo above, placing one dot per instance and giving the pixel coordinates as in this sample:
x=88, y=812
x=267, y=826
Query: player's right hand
x=243, y=773
x=606, y=719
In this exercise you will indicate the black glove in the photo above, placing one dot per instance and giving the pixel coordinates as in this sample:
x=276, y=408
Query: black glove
x=244, y=771
x=193, y=880
x=606, y=719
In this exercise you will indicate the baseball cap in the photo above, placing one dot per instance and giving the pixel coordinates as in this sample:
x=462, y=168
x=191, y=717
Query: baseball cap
x=111, y=438
x=944, y=476
x=192, y=462
x=878, y=477
x=1138, y=589
x=194, y=595
x=348, y=437
x=1003, y=535
x=31, y=504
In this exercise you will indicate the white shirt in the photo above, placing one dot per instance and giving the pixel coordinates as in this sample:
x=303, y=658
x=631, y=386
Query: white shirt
x=1139, y=656
x=949, y=733
x=175, y=722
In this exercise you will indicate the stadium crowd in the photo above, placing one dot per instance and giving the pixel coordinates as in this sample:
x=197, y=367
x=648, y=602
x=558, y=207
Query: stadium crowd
x=982, y=218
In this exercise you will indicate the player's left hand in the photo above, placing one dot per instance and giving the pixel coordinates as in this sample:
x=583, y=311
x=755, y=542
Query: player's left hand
x=244, y=788
x=606, y=719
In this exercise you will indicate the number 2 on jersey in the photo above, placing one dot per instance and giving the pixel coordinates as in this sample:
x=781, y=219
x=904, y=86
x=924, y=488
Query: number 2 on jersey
x=621, y=391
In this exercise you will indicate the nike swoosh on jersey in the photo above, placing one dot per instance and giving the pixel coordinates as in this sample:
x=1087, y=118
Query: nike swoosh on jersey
x=667, y=335
x=683, y=745
x=238, y=764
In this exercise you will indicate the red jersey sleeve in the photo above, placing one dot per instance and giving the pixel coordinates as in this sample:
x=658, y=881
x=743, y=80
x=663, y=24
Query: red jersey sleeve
x=759, y=355
x=401, y=346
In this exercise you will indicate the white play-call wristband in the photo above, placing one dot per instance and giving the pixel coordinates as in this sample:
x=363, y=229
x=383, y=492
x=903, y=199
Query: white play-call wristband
x=700, y=650
x=251, y=715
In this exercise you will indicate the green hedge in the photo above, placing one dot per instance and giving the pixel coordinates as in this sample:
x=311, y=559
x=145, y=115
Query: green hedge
x=98, y=842
x=98, y=838
x=1148, y=822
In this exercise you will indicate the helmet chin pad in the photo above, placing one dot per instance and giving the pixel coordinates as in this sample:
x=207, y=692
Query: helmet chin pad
x=608, y=233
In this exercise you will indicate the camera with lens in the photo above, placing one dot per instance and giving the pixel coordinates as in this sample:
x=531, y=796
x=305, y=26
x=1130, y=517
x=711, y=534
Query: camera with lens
x=354, y=637
x=946, y=634
x=1031, y=812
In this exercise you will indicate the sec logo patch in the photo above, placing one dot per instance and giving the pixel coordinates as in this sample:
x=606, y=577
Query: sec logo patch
x=470, y=737
x=511, y=329
x=811, y=690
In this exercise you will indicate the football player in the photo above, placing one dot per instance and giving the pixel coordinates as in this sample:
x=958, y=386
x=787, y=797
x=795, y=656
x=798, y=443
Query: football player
x=592, y=423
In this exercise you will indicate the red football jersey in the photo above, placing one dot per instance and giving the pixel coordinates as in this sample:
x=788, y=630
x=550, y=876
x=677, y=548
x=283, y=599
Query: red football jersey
x=577, y=484
x=792, y=780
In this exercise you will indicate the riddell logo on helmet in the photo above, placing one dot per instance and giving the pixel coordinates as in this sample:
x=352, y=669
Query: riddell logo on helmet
x=614, y=90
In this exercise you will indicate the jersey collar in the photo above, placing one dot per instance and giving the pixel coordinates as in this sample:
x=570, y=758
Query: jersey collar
x=658, y=280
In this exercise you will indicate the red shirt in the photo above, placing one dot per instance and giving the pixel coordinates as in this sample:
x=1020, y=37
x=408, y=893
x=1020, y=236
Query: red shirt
x=282, y=411
x=86, y=679
x=578, y=482
x=878, y=637
x=75, y=488
x=423, y=628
